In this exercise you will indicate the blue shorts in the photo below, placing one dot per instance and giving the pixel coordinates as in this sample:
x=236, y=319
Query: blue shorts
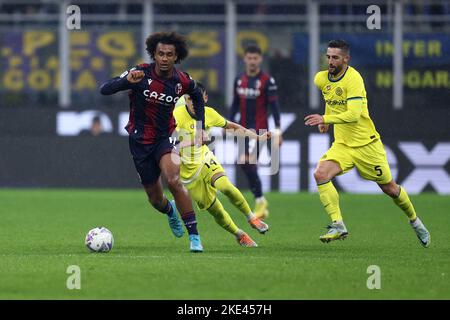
x=146, y=158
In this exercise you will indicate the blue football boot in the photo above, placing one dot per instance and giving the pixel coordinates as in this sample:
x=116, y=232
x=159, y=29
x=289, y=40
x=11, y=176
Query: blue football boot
x=174, y=221
x=195, y=243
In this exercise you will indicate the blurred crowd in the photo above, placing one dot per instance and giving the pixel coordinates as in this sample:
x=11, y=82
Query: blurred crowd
x=126, y=7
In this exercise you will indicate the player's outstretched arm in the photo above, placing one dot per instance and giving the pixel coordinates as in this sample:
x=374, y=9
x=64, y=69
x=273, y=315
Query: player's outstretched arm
x=352, y=114
x=124, y=82
x=198, y=103
x=199, y=108
x=243, y=132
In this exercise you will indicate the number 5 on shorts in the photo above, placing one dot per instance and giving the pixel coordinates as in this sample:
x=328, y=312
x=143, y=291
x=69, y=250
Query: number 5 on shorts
x=378, y=169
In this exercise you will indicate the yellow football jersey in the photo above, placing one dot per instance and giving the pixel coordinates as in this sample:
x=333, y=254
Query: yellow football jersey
x=192, y=157
x=346, y=108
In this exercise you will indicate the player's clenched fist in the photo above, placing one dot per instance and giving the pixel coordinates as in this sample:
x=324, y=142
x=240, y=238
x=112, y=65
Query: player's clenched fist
x=135, y=76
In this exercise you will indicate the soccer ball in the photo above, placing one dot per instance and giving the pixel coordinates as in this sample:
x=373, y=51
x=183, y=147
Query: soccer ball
x=99, y=239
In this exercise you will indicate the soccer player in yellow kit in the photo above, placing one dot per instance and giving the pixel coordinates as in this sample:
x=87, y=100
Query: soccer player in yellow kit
x=203, y=175
x=356, y=142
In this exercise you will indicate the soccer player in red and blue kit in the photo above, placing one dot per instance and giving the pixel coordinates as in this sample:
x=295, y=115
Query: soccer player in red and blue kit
x=153, y=90
x=254, y=93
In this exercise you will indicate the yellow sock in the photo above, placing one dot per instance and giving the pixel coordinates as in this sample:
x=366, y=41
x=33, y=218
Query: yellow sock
x=224, y=185
x=222, y=217
x=330, y=200
x=403, y=202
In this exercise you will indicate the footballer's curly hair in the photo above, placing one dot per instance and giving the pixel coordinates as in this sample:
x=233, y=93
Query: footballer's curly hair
x=178, y=40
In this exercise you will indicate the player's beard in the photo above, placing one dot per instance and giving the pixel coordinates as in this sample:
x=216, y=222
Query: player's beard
x=336, y=70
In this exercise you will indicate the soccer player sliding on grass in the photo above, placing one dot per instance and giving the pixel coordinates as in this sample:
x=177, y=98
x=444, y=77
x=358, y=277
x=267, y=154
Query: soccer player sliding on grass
x=356, y=142
x=203, y=175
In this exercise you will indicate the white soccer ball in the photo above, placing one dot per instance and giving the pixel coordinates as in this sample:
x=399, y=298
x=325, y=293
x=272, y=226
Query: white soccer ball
x=99, y=239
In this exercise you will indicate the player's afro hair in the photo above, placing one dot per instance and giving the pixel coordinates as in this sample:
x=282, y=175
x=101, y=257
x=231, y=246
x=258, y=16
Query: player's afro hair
x=178, y=40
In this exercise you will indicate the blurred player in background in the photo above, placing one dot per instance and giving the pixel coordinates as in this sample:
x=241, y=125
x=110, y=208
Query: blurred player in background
x=356, y=142
x=202, y=173
x=254, y=93
x=153, y=91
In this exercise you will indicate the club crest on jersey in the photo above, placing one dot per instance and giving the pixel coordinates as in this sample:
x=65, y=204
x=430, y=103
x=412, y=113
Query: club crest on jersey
x=178, y=88
x=328, y=87
x=257, y=84
x=338, y=91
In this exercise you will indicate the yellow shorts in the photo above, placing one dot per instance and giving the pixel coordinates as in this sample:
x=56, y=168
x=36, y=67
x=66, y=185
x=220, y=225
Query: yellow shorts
x=200, y=188
x=370, y=160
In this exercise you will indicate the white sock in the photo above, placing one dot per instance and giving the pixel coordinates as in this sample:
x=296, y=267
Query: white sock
x=416, y=223
x=250, y=216
x=239, y=233
x=260, y=199
x=340, y=223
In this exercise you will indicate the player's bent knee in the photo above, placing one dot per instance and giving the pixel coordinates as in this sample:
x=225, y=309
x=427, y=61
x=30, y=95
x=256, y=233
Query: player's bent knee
x=174, y=183
x=391, y=189
x=390, y=193
x=393, y=192
x=321, y=175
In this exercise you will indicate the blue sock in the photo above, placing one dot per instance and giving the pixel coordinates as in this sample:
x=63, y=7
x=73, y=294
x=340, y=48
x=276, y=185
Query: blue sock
x=190, y=222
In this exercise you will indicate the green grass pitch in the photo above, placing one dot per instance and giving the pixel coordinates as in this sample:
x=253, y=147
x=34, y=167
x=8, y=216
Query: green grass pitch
x=42, y=233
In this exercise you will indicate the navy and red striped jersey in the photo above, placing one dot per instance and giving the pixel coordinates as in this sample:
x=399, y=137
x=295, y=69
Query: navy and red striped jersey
x=152, y=101
x=253, y=96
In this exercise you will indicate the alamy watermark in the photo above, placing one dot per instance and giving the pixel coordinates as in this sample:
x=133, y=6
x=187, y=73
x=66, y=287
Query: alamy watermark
x=73, y=21
x=374, y=280
x=374, y=20
x=74, y=279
